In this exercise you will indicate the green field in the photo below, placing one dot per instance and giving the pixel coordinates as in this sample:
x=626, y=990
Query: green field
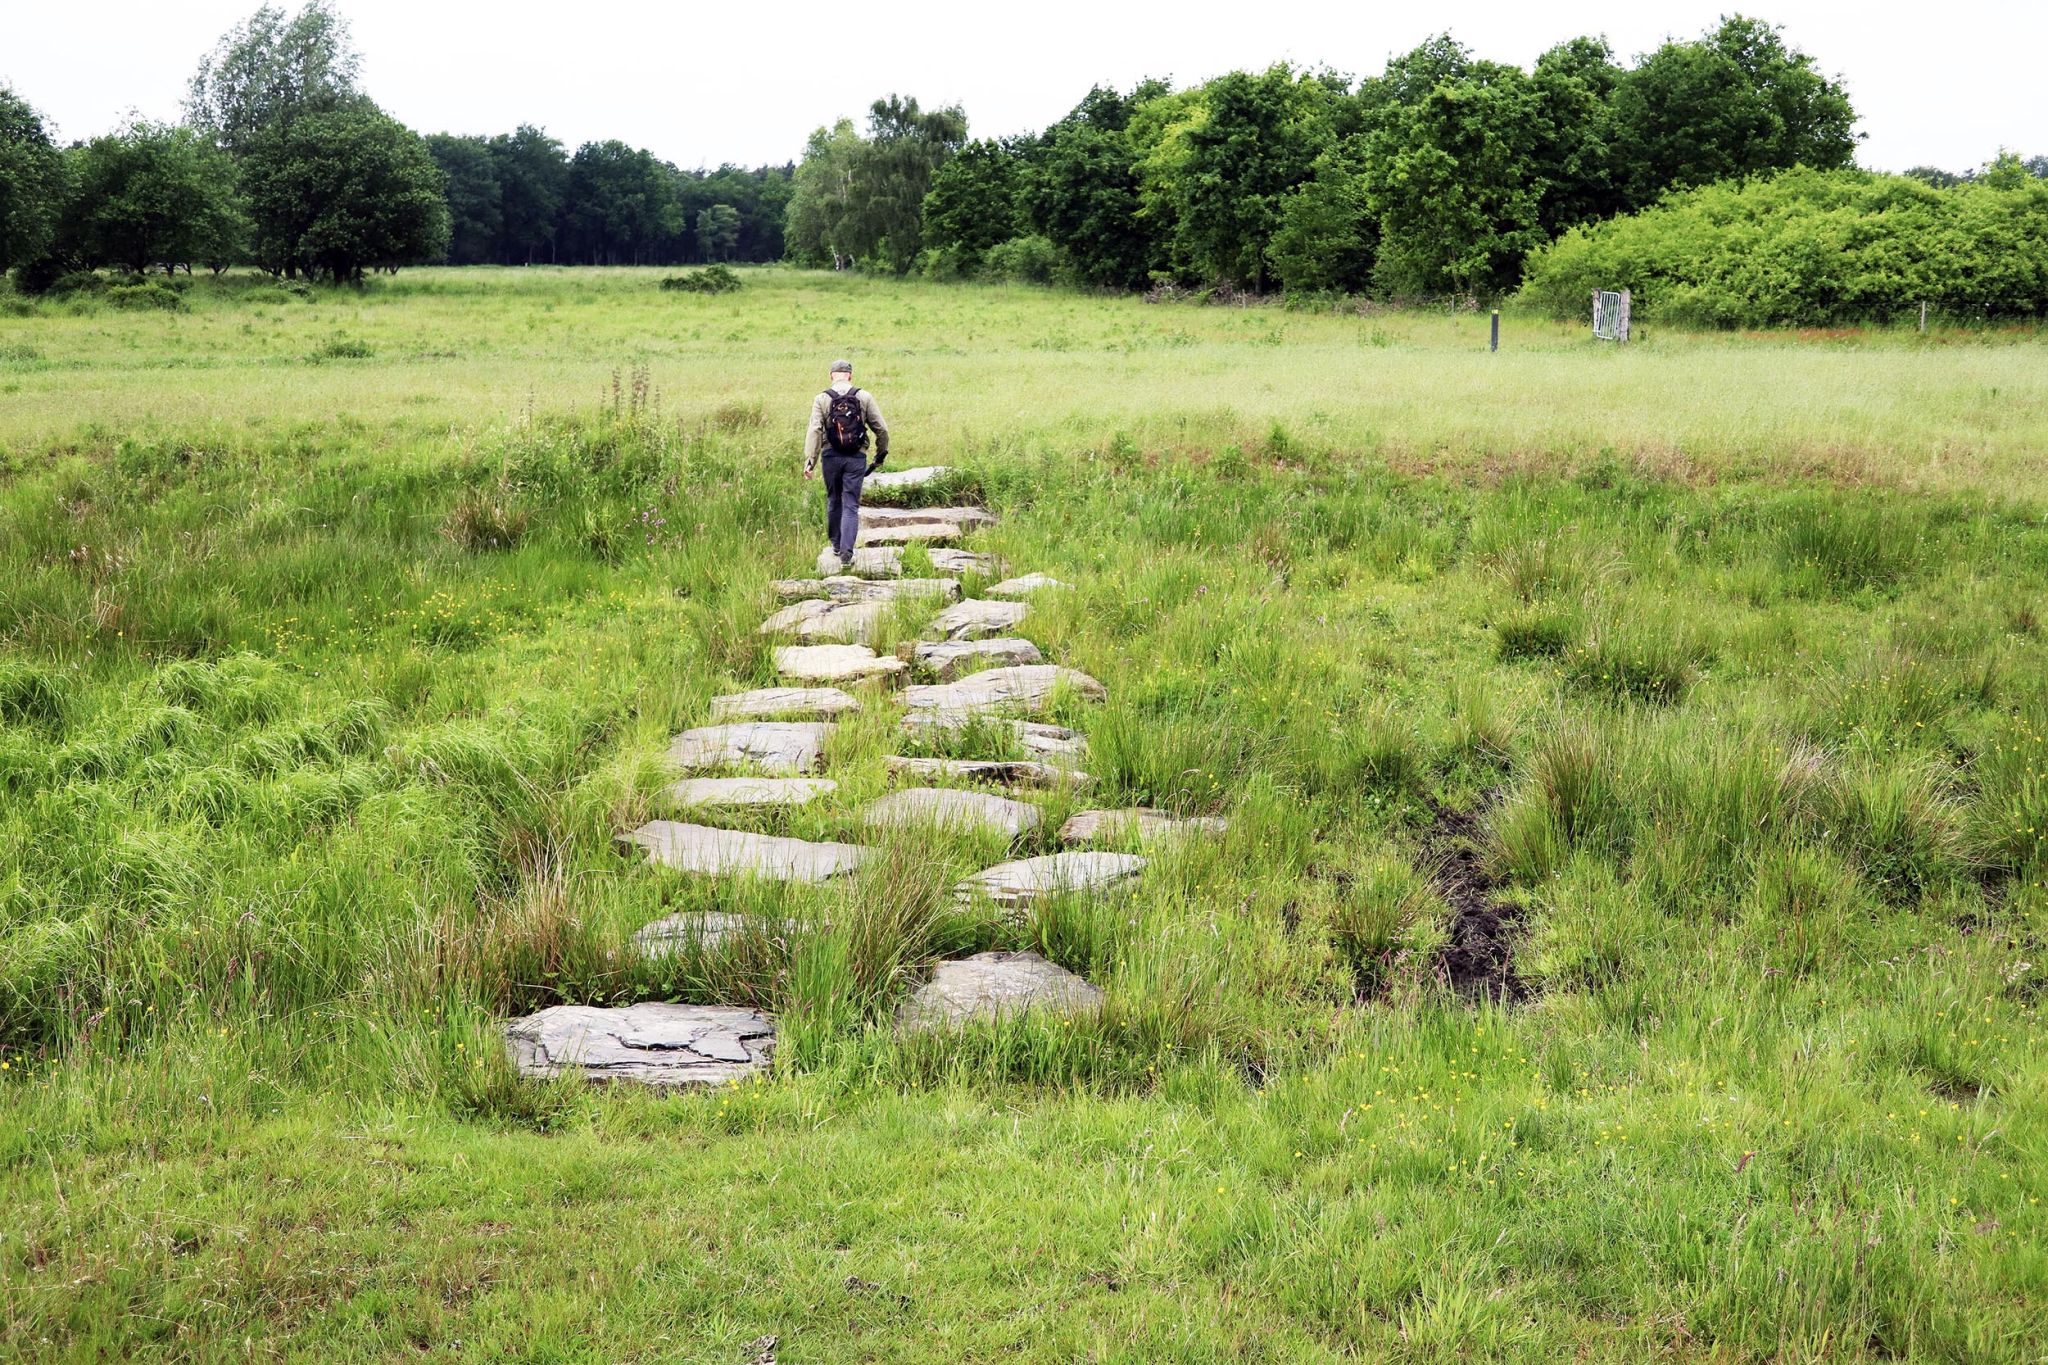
x=339, y=636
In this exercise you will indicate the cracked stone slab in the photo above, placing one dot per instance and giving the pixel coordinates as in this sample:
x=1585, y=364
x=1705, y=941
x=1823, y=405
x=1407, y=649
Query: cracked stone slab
x=1023, y=883
x=707, y=930
x=707, y=792
x=848, y=588
x=764, y=702
x=961, y=561
x=1144, y=821
x=776, y=746
x=1028, y=688
x=953, y=809
x=906, y=478
x=989, y=986
x=1001, y=772
x=951, y=658
x=886, y=561
x=904, y=532
x=966, y=518
x=1022, y=587
x=813, y=619
x=977, y=617
x=1038, y=738
x=732, y=852
x=656, y=1043
x=834, y=663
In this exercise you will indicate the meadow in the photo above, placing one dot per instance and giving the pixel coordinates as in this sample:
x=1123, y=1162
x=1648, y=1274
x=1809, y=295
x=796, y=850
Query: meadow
x=1628, y=941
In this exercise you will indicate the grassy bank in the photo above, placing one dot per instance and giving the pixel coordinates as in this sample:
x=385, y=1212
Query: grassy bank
x=324, y=686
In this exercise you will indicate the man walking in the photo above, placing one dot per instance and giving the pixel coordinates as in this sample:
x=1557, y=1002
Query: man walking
x=841, y=418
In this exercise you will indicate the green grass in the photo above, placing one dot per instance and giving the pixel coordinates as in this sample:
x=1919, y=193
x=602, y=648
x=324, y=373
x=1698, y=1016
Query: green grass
x=339, y=636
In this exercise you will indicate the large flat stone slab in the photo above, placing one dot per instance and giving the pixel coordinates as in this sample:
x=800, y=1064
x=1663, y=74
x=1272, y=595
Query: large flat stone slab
x=949, y=659
x=930, y=532
x=764, y=702
x=1001, y=772
x=990, y=986
x=705, y=930
x=1029, y=688
x=848, y=588
x=1145, y=822
x=951, y=808
x=1025, y=586
x=886, y=561
x=967, y=518
x=812, y=619
x=1037, y=738
x=1021, y=884
x=960, y=561
x=732, y=852
x=834, y=663
x=773, y=746
x=889, y=479
x=977, y=617
x=710, y=792
x=649, y=1044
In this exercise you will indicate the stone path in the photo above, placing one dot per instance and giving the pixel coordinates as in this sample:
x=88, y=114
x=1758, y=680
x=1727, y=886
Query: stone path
x=767, y=740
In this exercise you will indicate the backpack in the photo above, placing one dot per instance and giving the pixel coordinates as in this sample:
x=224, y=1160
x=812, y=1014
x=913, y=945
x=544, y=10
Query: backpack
x=846, y=424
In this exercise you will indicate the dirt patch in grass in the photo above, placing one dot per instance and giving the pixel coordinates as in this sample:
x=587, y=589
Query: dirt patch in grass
x=1478, y=956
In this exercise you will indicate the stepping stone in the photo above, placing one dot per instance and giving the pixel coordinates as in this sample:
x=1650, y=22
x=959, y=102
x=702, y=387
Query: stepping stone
x=961, y=561
x=932, y=726
x=812, y=619
x=953, y=809
x=1146, y=822
x=1002, y=772
x=847, y=588
x=651, y=1044
x=706, y=929
x=886, y=561
x=1021, y=884
x=763, y=702
x=950, y=658
x=974, y=618
x=1029, y=688
x=905, y=532
x=834, y=663
x=989, y=986
x=772, y=745
x=733, y=852
x=750, y=791
x=966, y=518
x=1020, y=587
x=906, y=478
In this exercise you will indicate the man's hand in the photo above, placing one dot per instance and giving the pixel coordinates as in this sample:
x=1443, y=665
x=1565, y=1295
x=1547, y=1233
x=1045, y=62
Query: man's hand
x=810, y=471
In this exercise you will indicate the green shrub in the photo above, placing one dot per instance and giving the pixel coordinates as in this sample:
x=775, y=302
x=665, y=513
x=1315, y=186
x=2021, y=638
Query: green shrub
x=146, y=294
x=344, y=348
x=1810, y=247
x=712, y=279
x=1026, y=260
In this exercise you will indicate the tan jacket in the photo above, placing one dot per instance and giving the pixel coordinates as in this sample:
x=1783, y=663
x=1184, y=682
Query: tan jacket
x=814, y=439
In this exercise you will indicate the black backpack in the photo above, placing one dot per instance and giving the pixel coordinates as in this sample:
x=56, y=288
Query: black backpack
x=846, y=424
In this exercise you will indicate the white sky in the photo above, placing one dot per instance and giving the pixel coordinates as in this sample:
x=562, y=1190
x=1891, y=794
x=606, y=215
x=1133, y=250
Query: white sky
x=701, y=83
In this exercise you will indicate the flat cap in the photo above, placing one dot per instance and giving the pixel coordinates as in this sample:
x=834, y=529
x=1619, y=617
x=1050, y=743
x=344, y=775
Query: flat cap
x=842, y=367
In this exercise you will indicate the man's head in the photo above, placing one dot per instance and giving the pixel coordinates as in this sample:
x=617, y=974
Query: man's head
x=842, y=369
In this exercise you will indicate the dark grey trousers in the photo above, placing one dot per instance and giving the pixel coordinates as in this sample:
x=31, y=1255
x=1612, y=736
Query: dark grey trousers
x=843, y=477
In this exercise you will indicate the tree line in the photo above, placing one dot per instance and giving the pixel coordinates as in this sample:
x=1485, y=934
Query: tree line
x=1439, y=175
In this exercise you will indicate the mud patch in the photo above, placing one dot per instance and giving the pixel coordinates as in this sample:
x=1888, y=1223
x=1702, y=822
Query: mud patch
x=1478, y=960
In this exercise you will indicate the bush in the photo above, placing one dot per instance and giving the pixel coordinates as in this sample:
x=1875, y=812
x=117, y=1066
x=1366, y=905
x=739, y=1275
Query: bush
x=1027, y=260
x=712, y=279
x=344, y=348
x=1810, y=248
x=146, y=294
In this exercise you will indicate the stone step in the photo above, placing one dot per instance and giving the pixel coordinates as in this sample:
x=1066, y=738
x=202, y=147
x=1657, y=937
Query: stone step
x=1023, y=883
x=1023, y=587
x=706, y=930
x=951, y=808
x=764, y=702
x=930, y=532
x=773, y=746
x=1144, y=821
x=934, y=726
x=710, y=792
x=889, y=479
x=976, y=617
x=967, y=518
x=812, y=619
x=951, y=658
x=886, y=561
x=990, y=986
x=834, y=663
x=655, y=1043
x=1001, y=772
x=731, y=852
x=847, y=588
x=1029, y=688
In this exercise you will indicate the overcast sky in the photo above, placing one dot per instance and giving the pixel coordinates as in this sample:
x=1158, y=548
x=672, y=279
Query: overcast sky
x=700, y=84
